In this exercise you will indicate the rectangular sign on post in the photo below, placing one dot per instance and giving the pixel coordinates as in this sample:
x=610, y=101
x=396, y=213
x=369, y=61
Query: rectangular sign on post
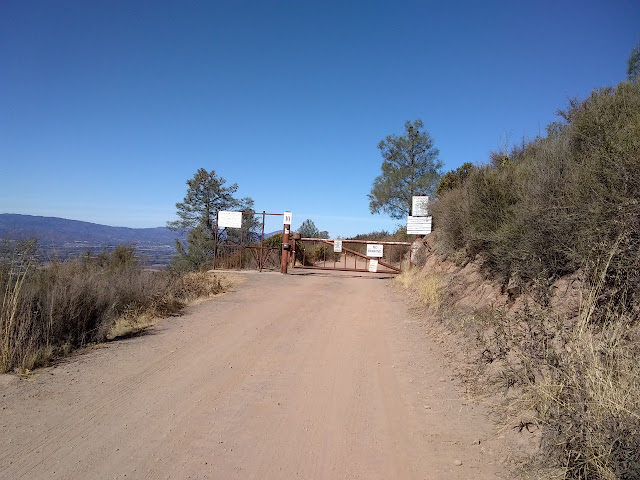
x=420, y=206
x=287, y=218
x=374, y=250
x=337, y=246
x=229, y=219
x=373, y=266
x=418, y=225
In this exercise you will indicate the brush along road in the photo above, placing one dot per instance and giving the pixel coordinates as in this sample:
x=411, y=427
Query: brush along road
x=308, y=375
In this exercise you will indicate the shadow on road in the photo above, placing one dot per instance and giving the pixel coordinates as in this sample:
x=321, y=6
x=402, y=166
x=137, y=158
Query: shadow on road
x=327, y=273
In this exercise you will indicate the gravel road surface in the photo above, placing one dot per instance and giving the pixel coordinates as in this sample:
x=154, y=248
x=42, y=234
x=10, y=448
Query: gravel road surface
x=312, y=375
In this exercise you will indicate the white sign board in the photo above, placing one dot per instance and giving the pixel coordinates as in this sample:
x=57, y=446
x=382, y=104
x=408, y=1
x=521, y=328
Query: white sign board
x=337, y=246
x=374, y=250
x=230, y=219
x=420, y=206
x=287, y=218
x=418, y=225
x=373, y=266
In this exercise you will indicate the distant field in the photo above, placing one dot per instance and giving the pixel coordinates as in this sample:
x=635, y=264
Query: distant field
x=150, y=255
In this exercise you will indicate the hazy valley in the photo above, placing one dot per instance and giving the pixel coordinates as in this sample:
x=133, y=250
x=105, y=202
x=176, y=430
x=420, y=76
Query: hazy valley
x=61, y=238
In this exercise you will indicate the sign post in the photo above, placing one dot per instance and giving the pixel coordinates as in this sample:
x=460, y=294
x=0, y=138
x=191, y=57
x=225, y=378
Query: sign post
x=286, y=247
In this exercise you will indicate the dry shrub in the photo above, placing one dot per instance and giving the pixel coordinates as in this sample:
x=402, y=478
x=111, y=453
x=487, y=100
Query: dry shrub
x=236, y=257
x=196, y=285
x=181, y=290
x=559, y=203
x=49, y=310
x=13, y=273
x=551, y=207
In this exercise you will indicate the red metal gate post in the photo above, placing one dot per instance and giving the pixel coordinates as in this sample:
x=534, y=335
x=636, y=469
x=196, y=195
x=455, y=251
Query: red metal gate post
x=284, y=261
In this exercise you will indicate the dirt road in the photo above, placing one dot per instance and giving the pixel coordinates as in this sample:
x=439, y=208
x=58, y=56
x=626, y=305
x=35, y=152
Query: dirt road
x=310, y=376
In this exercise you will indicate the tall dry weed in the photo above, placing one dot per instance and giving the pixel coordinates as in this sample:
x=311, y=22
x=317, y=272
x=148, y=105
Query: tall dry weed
x=49, y=310
x=589, y=401
x=10, y=328
x=577, y=380
x=426, y=287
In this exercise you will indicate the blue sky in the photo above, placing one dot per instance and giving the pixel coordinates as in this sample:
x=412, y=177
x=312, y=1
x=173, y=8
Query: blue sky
x=108, y=107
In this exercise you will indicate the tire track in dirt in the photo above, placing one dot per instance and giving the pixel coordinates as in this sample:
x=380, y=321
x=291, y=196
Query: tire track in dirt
x=271, y=333
x=89, y=416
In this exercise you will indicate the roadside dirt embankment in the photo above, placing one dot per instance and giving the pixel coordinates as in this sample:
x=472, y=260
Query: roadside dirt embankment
x=558, y=368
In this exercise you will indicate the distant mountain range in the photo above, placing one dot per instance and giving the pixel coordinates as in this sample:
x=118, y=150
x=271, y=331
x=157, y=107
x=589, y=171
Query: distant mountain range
x=65, y=238
x=62, y=238
x=53, y=230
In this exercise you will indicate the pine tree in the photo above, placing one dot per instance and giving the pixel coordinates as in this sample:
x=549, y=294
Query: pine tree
x=410, y=167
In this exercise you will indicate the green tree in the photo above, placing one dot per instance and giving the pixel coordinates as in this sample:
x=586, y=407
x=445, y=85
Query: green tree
x=633, y=65
x=197, y=252
x=410, y=166
x=312, y=252
x=455, y=178
x=308, y=229
x=206, y=195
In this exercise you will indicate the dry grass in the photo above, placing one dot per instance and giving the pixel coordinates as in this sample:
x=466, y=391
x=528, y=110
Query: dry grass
x=577, y=381
x=9, y=312
x=588, y=400
x=425, y=286
x=187, y=289
x=49, y=310
x=589, y=403
x=131, y=324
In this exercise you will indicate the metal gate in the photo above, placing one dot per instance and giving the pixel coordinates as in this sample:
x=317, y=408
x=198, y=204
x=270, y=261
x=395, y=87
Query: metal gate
x=350, y=255
x=247, y=247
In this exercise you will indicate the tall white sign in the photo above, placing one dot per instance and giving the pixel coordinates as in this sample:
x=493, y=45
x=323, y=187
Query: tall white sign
x=373, y=266
x=420, y=206
x=337, y=246
x=287, y=218
x=229, y=219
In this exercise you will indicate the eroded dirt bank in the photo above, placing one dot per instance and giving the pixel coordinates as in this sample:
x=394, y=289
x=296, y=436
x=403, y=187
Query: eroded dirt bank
x=319, y=375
